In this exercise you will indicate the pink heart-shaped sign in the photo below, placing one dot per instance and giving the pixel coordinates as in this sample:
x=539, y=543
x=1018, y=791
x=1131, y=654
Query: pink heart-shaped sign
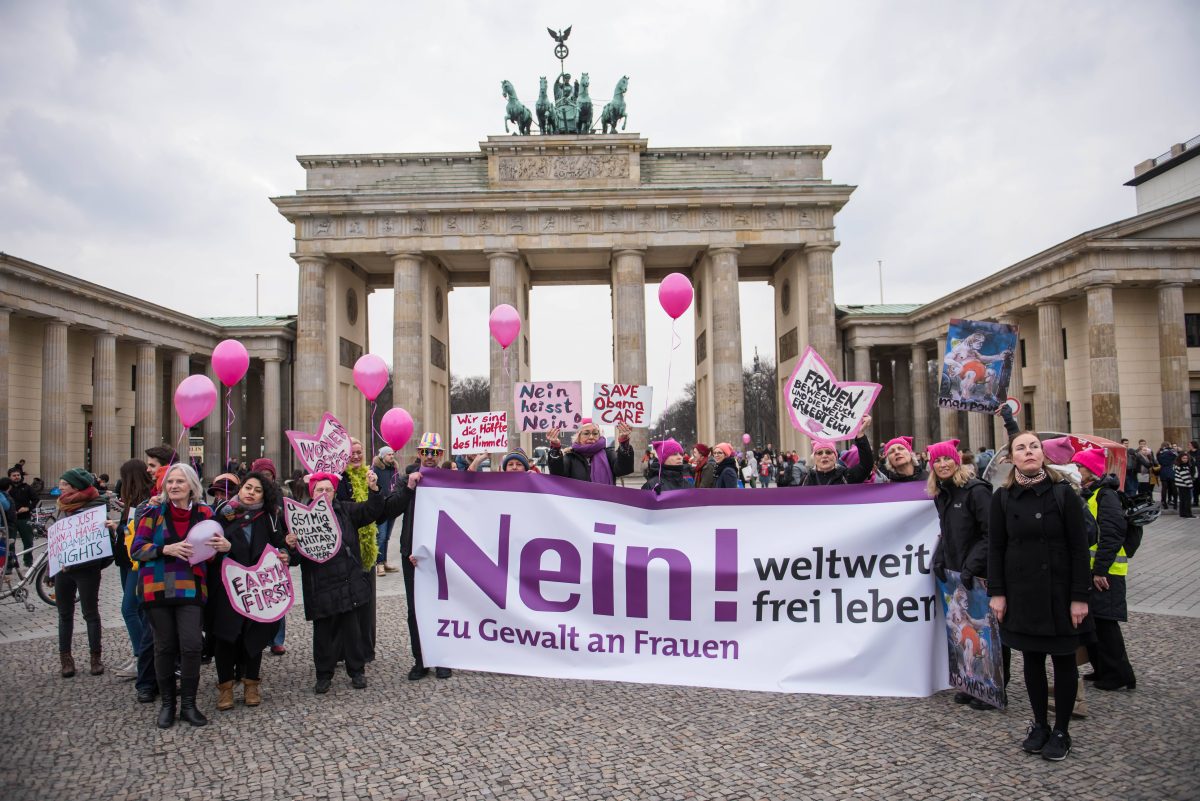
x=263, y=593
x=198, y=538
x=316, y=528
x=327, y=451
x=819, y=403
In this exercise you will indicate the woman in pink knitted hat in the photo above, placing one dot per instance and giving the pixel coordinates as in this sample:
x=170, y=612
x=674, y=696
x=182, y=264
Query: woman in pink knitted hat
x=899, y=463
x=826, y=470
x=670, y=475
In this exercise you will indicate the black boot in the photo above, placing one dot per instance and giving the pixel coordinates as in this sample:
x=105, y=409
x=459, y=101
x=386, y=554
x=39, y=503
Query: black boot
x=166, y=712
x=187, y=703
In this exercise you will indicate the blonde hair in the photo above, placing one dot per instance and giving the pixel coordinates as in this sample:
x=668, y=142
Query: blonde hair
x=960, y=478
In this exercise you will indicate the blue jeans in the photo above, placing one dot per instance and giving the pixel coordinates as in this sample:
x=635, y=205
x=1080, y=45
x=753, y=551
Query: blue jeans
x=282, y=633
x=146, y=678
x=130, y=609
x=383, y=534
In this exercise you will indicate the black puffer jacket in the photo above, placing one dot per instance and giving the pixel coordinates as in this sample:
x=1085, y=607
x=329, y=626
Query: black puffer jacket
x=963, y=513
x=674, y=477
x=1109, y=538
x=569, y=464
x=341, y=584
x=726, y=474
x=885, y=474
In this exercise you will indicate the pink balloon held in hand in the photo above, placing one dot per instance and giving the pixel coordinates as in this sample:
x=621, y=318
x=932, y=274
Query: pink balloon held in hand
x=195, y=397
x=370, y=375
x=230, y=361
x=396, y=428
x=505, y=324
x=675, y=295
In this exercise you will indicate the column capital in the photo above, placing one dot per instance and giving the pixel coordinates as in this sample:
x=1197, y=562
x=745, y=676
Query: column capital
x=278, y=359
x=501, y=253
x=301, y=258
x=1052, y=302
x=396, y=255
x=1107, y=285
x=821, y=247
x=629, y=251
x=1169, y=285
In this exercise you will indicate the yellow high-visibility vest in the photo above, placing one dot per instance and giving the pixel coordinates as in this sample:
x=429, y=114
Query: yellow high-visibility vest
x=1120, y=566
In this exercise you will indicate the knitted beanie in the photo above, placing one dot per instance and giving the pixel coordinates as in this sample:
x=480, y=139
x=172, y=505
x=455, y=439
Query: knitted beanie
x=78, y=478
x=264, y=465
x=948, y=448
x=907, y=442
x=665, y=448
x=1092, y=459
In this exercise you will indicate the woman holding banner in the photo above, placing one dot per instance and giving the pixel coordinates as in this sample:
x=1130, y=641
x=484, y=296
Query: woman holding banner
x=589, y=458
x=174, y=590
x=1039, y=582
x=964, y=508
x=77, y=494
x=826, y=470
x=252, y=522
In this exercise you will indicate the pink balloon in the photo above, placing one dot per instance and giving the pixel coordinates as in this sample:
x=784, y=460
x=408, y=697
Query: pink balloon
x=195, y=397
x=230, y=361
x=396, y=428
x=370, y=375
x=745, y=439
x=505, y=324
x=199, y=536
x=675, y=295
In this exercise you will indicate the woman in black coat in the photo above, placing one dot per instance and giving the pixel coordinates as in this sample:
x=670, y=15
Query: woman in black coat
x=671, y=476
x=963, y=505
x=251, y=521
x=726, y=469
x=589, y=459
x=1039, y=582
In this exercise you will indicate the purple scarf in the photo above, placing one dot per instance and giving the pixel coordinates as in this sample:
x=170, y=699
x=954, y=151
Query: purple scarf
x=601, y=470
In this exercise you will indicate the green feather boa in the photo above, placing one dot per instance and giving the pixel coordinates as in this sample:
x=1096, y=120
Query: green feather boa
x=368, y=545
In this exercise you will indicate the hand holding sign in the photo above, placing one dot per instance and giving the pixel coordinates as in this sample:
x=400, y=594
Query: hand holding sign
x=313, y=529
x=327, y=451
x=263, y=593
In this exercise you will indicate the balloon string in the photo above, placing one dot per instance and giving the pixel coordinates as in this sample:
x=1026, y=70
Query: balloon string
x=228, y=427
x=675, y=343
x=506, y=370
x=374, y=431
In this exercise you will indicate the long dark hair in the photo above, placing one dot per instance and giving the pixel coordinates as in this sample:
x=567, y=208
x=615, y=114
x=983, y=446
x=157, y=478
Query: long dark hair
x=270, y=491
x=136, y=484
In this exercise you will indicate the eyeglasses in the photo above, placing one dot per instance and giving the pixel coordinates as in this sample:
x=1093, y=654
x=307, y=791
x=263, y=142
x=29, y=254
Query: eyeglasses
x=428, y=451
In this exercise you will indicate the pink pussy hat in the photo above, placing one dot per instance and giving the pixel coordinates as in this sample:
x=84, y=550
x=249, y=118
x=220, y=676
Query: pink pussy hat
x=666, y=448
x=1058, y=450
x=948, y=448
x=823, y=444
x=905, y=441
x=1092, y=459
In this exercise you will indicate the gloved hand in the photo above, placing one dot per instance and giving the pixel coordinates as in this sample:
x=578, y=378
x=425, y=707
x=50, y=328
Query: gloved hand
x=1006, y=413
x=940, y=572
x=967, y=578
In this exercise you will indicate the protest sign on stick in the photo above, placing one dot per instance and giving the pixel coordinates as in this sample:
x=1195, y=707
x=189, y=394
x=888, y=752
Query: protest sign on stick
x=263, y=593
x=77, y=539
x=622, y=403
x=973, y=641
x=977, y=366
x=823, y=407
x=318, y=533
x=543, y=405
x=327, y=451
x=479, y=432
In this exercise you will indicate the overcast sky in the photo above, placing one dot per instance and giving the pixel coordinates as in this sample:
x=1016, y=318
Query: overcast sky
x=140, y=141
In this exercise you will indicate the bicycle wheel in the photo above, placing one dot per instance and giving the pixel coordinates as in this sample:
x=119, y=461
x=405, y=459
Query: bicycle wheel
x=45, y=583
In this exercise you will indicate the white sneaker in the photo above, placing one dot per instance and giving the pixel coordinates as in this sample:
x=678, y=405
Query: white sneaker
x=128, y=670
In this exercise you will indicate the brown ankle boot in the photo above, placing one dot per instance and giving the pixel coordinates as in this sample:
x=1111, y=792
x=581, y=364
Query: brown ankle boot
x=97, y=665
x=251, y=695
x=225, y=695
x=68, y=664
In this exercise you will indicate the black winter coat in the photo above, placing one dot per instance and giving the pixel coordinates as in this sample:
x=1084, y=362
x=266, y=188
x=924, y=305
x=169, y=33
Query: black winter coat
x=919, y=474
x=963, y=513
x=569, y=464
x=1038, y=560
x=227, y=624
x=341, y=584
x=674, y=477
x=726, y=471
x=1109, y=536
x=841, y=474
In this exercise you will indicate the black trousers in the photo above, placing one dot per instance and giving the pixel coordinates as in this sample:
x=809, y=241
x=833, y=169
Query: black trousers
x=1107, y=654
x=178, y=635
x=334, y=636
x=366, y=621
x=1185, y=501
x=233, y=662
x=85, y=581
x=414, y=637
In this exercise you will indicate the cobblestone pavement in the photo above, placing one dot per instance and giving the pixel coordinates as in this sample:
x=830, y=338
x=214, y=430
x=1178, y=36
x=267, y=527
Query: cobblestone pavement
x=492, y=736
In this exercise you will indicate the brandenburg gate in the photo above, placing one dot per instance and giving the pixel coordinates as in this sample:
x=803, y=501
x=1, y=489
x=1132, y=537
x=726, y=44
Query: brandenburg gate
x=562, y=209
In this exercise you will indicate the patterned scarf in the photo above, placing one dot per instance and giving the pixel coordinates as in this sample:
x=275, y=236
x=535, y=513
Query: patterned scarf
x=368, y=545
x=71, y=502
x=1028, y=481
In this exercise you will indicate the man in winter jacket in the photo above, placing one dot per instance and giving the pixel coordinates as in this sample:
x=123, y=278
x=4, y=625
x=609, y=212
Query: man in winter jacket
x=24, y=501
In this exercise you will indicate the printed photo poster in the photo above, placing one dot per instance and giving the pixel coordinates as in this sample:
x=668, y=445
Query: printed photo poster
x=822, y=407
x=262, y=593
x=545, y=405
x=977, y=366
x=315, y=526
x=479, y=432
x=973, y=641
x=77, y=539
x=327, y=451
x=622, y=403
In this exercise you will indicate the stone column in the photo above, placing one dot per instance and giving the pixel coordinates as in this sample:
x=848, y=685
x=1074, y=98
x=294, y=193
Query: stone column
x=181, y=368
x=902, y=404
x=1015, y=388
x=725, y=344
x=822, y=327
x=146, y=401
x=1050, y=410
x=214, y=433
x=504, y=288
x=1172, y=352
x=104, y=406
x=254, y=414
x=883, y=414
x=920, y=395
x=237, y=421
x=272, y=409
x=54, y=456
x=947, y=418
x=408, y=374
x=311, y=358
x=979, y=431
x=862, y=372
x=5, y=319
x=629, y=327
x=1102, y=362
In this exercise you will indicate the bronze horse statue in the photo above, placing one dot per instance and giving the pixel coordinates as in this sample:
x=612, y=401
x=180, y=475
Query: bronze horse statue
x=544, y=109
x=584, y=124
x=516, y=112
x=615, y=109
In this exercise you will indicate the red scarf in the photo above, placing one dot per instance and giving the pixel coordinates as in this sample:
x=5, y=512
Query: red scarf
x=71, y=502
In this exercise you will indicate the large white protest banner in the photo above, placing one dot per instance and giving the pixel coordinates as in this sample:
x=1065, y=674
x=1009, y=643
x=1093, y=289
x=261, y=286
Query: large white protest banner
x=823, y=407
x=77, y=539
x=821, y=590
x=479, y=432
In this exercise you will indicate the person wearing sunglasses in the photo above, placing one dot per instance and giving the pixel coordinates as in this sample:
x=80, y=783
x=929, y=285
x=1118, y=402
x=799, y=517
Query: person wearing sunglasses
x=826, y=469
x=590, y=458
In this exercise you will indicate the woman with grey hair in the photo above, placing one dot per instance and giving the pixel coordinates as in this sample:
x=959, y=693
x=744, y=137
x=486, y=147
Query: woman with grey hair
x=173, y=590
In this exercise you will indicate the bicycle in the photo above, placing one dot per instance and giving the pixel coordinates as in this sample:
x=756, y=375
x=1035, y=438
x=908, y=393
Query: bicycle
x=36, y=574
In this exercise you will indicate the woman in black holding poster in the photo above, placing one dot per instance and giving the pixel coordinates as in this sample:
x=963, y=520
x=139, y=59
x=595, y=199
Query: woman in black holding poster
x=77, y=494
x=252, y=521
